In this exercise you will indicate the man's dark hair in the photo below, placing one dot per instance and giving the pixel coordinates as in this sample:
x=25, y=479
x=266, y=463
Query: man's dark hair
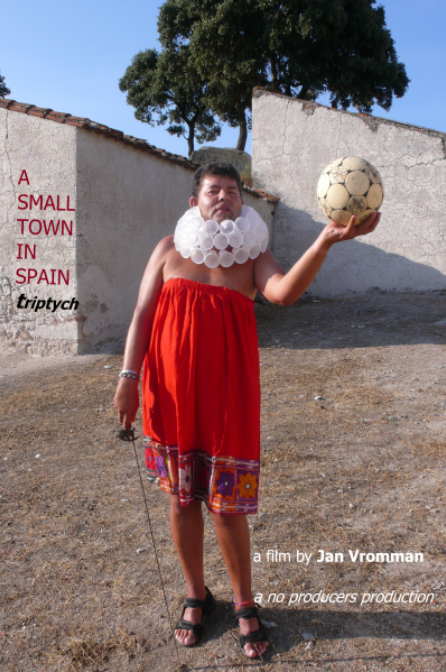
x=215, y=169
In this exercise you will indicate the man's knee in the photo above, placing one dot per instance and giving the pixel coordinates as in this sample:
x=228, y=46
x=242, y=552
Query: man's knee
x=229, y=521
x=191, y=509
x=175, y=506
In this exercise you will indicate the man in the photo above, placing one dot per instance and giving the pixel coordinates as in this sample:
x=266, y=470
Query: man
x=203, y=413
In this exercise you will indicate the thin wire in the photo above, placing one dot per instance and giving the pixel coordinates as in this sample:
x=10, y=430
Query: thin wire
x=130, y=433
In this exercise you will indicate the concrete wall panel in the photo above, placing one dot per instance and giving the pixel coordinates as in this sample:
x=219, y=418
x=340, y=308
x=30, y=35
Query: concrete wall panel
x=128, y=202
x=294, y=140
x=47, y=151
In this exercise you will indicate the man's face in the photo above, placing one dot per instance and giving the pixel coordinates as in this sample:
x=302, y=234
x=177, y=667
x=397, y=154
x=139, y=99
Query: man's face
x=218, y=198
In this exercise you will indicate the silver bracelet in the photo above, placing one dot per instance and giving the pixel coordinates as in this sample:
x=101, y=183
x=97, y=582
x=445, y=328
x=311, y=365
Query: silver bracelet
x=128, y=373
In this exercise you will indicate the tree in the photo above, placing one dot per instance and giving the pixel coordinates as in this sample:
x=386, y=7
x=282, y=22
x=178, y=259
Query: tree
x=166, y=88
x=4, y=91
x=215, y=31
x=297, y=47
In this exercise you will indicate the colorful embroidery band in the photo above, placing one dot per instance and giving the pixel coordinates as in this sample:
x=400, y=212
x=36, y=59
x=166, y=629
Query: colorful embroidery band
x=225, y=484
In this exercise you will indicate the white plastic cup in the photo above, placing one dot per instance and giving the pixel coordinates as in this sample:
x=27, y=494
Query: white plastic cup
x=242, y=223
x=220, y=241
x=259, y=233
x=235, y=239
x=227, y=226
x=197, y=255
x=191, y=213
x=212, y=260
x=254, y=251
x=210, y=226
x=188, y=215
x=245, y=210
x=253, y=218
x=241, y=255
x=226, y=259
x=249, y=239
x=264, y=244
x=206, y=242
x=196, y=222
x=192, y=238
x=185, y=251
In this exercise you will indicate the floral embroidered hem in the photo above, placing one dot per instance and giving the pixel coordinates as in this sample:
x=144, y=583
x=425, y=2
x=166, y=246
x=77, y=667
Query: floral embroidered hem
x=226, y=485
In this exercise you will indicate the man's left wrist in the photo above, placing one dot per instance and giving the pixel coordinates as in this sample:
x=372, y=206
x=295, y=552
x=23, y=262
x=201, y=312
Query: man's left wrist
x=322, y=244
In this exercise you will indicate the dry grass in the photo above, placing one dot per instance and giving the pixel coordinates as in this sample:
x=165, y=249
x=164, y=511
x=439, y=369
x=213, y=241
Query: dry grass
x=361, y=468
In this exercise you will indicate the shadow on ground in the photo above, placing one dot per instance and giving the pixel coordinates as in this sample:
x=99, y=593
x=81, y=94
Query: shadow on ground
x=363, y=321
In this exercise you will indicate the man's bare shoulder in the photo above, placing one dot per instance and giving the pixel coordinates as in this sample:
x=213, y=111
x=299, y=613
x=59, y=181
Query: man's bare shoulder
x=164, y=247
x=159, y=256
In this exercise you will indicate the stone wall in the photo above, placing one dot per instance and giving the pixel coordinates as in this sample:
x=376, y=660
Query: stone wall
x=47, y=152
x=127, y=203
x=236, y=157
x=123, y=196
x=294, y=140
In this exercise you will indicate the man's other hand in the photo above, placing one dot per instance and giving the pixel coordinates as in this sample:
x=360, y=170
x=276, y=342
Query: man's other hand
x=126, y=401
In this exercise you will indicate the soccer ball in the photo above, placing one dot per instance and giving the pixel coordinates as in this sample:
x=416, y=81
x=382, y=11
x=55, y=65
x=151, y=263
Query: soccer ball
x=349, y=186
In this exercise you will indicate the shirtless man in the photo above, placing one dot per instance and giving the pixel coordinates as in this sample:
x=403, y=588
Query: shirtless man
x=218, y=196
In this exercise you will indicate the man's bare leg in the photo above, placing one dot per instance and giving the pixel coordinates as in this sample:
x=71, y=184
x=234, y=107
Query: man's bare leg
x=187, y=527
x=233, y=537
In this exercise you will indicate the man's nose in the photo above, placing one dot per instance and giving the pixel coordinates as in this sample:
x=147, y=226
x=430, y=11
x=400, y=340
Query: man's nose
x=223, y=195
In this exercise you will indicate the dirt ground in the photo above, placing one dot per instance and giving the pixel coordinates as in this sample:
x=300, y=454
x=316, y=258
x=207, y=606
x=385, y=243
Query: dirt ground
x=360, y=468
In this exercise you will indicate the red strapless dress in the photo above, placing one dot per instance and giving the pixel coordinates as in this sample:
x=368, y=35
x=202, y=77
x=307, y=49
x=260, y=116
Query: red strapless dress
x=201, y=396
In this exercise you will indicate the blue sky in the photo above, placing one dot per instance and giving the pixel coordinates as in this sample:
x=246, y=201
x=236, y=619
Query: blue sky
x=70, y=56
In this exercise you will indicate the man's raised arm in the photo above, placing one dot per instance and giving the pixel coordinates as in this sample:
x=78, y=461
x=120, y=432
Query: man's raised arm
x=285, y=288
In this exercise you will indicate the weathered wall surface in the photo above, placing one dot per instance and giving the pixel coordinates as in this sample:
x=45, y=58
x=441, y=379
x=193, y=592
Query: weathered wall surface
x=99, y=206
x=127, y=203
x=47, y=152
x=265, y=208
x=236, y=157
x=294, y=140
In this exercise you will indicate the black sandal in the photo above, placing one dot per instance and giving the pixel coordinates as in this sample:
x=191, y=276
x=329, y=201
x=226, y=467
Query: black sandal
x=207, y=606
x=259, y=635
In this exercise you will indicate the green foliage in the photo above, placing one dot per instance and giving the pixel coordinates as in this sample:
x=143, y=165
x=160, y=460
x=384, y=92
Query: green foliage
x=4, y=91
x=246, y=176
x=166, y=88
x=297, y=47
x=226, y=51
x=222, y=49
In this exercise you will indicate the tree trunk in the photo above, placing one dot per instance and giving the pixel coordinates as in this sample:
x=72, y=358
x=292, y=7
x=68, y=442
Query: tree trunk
x=243, y=134
x=190, y=138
